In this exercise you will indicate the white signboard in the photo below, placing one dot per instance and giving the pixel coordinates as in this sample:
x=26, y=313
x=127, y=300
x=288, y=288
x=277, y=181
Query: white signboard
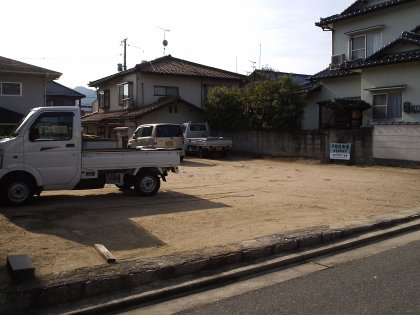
x=340, y=151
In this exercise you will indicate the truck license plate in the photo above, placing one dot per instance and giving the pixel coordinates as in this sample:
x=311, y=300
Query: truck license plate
x=169, y=143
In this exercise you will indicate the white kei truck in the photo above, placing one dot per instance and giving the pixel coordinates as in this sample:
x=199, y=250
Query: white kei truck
x=198, y=141
x=45, y=152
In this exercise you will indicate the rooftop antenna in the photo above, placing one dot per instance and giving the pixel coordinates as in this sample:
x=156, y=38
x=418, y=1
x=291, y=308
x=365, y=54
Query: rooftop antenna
x=139, y=48
x=165, y=42
x=252, y=64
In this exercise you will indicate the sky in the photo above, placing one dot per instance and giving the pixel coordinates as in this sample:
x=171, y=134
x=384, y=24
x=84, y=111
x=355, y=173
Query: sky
x=82, y=39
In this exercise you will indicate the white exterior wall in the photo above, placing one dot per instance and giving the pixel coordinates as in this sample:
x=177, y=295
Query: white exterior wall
x=395, y=20
x=393, y=75
x=331, y=88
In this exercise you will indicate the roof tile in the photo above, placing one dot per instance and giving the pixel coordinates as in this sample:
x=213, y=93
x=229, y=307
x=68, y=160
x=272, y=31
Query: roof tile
x=169, y=65
x=359, y=7
x=13, y=66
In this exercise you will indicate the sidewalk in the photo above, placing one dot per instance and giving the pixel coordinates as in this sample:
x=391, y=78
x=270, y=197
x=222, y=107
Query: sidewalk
x=92, y=282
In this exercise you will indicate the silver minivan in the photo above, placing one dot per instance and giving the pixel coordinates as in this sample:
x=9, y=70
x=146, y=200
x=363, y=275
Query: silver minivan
x=156, y=136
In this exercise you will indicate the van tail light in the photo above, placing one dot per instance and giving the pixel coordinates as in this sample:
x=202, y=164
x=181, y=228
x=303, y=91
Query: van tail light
x=156, y=141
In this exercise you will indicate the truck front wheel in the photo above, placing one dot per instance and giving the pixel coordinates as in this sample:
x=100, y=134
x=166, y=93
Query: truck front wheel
x=17, y=190
x=147, y=183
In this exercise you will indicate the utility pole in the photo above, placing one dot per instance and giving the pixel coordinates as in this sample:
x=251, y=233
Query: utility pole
x=124, y=41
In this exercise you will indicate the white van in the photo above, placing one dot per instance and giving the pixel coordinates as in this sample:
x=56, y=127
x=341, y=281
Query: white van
x=157, y=136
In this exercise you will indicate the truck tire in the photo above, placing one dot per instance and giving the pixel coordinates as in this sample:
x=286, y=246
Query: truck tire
x=17, y=190
x=147, y=183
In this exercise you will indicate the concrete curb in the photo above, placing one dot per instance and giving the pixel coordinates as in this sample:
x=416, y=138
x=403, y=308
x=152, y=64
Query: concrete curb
x=88, y=283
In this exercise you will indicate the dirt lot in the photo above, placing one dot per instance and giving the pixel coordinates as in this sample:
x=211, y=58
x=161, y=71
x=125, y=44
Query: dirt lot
x=210, y=206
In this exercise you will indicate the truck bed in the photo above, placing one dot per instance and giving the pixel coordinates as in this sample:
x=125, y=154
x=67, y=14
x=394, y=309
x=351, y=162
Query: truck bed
x=128, y=158
x=210, y=141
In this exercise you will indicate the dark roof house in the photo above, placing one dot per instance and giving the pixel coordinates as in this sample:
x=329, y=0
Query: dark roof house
x=60, y=95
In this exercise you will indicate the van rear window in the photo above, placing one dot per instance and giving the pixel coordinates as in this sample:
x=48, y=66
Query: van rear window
x=168, y=131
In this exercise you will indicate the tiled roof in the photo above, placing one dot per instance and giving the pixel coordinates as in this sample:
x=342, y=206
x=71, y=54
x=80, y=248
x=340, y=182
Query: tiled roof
x=274, y=75
x=345, y=103
x=405, y=38
x=13, y=66
x=169, y=65
x=9, y=117
x=380, y=58
x=121, y=115
x=56, y=89
x=331, y=73
x=359, y=7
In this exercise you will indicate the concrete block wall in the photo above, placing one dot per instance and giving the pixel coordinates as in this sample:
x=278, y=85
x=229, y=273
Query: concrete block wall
x=397, y=142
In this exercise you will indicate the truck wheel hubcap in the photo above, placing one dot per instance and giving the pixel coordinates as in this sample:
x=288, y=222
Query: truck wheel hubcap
x=18, y=192
x=148, y=184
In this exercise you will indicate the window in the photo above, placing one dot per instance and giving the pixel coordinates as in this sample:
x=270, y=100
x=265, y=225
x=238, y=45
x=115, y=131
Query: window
x=168, y=131
x=52, y=127
x=387, y=106
x=125, y=93
x=146, y=131
x=11, y=89
x=362, y=46
x=104, y=99
x=166, y=90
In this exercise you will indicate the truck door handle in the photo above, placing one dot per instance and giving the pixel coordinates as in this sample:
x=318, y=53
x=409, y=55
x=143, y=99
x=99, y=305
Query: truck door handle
x=70, y=145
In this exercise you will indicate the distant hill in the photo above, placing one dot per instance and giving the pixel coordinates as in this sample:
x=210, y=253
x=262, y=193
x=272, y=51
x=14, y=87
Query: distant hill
x=86, y=102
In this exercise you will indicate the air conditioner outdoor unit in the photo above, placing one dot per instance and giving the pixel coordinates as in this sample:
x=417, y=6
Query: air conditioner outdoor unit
x=337, y=60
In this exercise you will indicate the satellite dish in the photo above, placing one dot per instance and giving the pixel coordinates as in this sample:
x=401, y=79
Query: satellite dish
x=165, y=42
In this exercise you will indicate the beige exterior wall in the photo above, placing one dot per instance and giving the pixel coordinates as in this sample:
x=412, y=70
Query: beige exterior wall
x=395, y=21
x=33, y=93
x=190, y=89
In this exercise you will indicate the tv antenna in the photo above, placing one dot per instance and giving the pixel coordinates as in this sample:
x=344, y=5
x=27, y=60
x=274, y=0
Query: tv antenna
x=165, y=42
x=252, y=64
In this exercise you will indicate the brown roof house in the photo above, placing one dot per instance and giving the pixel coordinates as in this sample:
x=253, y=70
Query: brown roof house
x=166, y=89
x=22, y=87
x=373, y=79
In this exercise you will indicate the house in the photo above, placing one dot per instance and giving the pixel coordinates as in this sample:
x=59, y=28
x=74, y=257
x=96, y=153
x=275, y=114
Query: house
x=60, y=95
x=257, y=75
x=166, y=89
x=373, y=79
x=22, y=87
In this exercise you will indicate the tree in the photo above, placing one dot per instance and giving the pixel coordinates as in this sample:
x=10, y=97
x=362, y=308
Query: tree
x=277, y=104
x=264, y=105
x=224, y=109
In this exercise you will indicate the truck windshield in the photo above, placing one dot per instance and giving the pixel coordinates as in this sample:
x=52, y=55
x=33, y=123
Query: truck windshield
x=22, y=123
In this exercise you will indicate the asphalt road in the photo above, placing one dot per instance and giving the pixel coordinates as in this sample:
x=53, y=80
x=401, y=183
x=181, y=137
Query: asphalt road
x=382, y=278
